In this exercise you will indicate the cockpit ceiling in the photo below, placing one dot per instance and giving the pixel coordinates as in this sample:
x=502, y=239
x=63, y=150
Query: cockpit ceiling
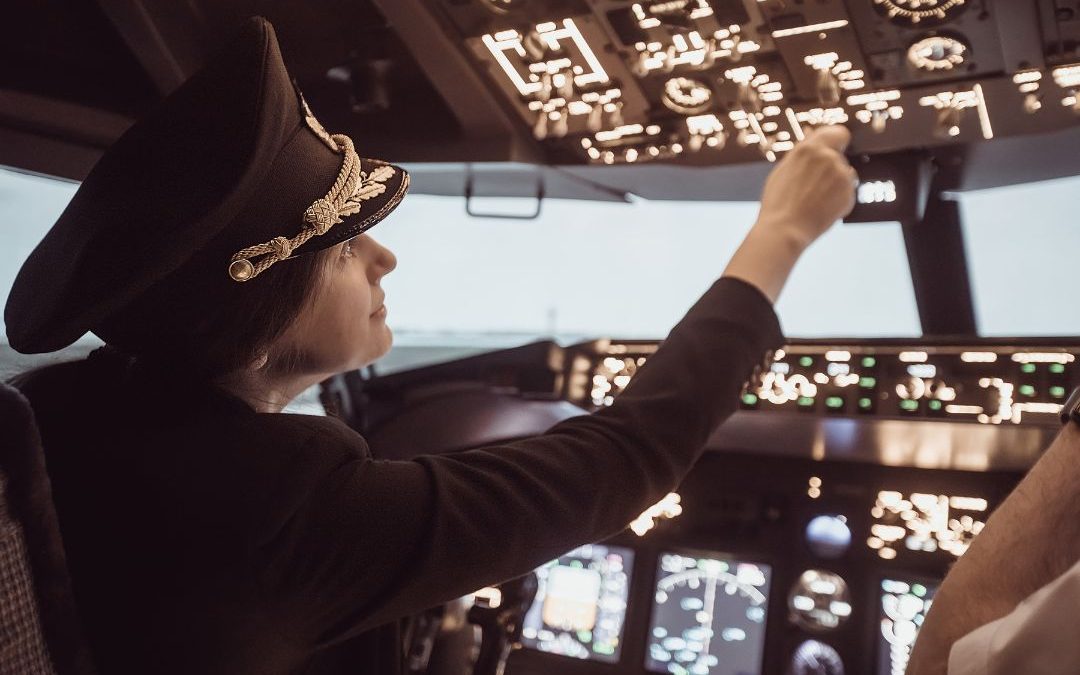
x=988, y=88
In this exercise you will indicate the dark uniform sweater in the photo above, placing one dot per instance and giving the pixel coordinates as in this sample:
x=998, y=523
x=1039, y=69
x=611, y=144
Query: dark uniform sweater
x=203, y=537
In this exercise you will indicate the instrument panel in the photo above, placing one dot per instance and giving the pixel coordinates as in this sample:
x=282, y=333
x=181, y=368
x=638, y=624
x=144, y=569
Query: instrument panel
x=728, y=81
x=769, y=562
x=781, y=567
x=982, y=383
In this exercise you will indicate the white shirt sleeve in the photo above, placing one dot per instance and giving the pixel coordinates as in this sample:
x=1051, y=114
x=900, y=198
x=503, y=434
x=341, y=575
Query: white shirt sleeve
x=1040, y=637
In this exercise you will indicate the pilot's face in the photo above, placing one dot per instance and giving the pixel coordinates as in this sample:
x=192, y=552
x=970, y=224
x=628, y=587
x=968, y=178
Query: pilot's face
x=344, y=326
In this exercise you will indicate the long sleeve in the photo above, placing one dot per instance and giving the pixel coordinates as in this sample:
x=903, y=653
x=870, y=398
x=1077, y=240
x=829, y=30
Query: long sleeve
x=1037, y=638
x=378, y=539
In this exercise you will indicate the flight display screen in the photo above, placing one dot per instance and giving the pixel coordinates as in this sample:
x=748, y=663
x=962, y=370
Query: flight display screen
x=580, y=604
x=708, y=615
x=904, y=604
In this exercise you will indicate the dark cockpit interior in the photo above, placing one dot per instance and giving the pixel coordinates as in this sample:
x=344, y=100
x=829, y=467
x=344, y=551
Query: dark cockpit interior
x=811, y=537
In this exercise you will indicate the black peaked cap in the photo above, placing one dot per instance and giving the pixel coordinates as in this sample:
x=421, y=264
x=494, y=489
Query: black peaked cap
x=232, y=159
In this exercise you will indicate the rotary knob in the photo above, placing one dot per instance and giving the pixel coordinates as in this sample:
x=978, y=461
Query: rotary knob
x=534, y=46
x=749, y=99
x=546, y=88
x=828, y=88
x=561, y=124
x=948, y=122
x=595, y=121
x=565, y=82
x=615, y=117
x=540, y=127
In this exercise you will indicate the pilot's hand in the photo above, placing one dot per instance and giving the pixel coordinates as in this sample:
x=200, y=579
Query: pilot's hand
x=811, y=188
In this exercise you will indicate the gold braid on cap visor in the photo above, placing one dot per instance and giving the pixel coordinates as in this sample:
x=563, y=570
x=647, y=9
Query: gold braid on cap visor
x=350, y=190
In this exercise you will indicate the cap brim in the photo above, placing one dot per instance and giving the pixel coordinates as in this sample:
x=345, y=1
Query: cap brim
x=373, y=210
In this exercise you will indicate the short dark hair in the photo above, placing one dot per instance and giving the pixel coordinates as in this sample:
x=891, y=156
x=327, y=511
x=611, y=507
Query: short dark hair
x=219, y=326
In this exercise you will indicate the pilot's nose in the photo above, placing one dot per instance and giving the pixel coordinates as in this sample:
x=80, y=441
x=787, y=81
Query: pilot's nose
x=382, y=260
x=385, y=258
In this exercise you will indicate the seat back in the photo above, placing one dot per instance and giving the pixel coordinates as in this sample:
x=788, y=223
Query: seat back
x=39, y=628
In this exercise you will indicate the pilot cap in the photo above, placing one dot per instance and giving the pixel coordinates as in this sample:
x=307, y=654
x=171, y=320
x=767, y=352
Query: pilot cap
x=231, y=173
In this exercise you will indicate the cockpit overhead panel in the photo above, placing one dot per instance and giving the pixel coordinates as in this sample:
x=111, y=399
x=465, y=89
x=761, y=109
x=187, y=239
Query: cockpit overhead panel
x=727, y=81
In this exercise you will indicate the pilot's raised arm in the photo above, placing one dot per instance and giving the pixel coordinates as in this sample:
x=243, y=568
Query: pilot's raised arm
x=448, y=524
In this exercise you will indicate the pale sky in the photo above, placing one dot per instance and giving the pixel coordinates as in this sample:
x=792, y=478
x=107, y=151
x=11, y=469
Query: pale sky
x=599, y=269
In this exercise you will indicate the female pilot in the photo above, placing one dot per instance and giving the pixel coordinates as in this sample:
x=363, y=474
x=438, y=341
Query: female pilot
x=218, y=249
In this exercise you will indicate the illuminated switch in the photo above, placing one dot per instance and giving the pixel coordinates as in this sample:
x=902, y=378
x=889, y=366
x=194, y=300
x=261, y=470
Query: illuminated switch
x=1057, y=392
x=936, y=407
x=749, y=401
x=806, y=361
x=1027, y=368
x=866, y=405
x=805, y=403
x=834, y=404
x=909, y=406
x=869, y=362
x=1057, y=368
x=1027, y=390
x=867, y=382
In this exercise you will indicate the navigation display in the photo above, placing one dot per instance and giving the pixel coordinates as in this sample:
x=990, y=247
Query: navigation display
x=904, y=604
x=580, y=604
x=708, y=615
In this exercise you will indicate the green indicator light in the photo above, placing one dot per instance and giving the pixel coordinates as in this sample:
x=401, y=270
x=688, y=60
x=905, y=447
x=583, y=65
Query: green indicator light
x=918, y=590
x=935, y=404
x=1027, y=390
x=577, y=563
x=1057, y=368
x=806, y=361
x=805, y=401
x=909, y=405
x=867, y=382
x=750, y=399
x=865, y=403
x=1027, y=368
x=1057, y=392
x=869, y=362
x=834, y=402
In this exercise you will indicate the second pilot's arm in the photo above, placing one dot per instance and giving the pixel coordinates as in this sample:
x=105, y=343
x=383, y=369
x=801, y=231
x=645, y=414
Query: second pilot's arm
x=376, y=540
x=1009, y=604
